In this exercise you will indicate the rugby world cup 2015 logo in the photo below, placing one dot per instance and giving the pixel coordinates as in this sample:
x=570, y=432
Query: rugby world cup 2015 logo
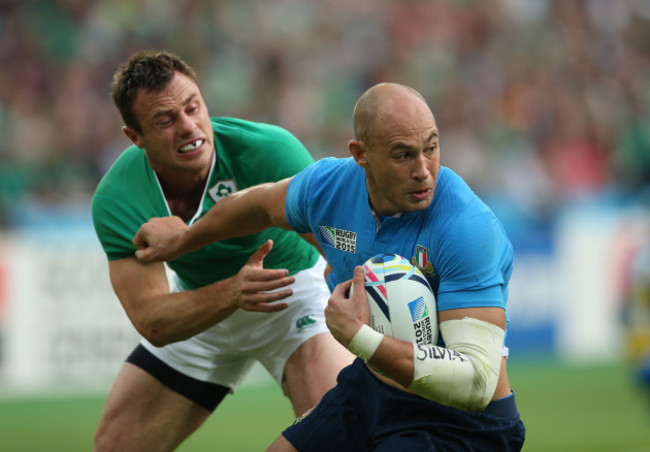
x=339, y=239
x=421, y=320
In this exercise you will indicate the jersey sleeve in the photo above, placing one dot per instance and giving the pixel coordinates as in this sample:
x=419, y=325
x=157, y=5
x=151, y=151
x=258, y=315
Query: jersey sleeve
x=476, y=263
x=112, y=228
x=297, y=201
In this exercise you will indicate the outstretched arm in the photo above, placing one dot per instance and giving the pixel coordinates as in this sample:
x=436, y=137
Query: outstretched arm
x=242, y=213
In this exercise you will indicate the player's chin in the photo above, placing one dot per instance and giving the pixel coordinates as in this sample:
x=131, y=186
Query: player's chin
x=418, y=204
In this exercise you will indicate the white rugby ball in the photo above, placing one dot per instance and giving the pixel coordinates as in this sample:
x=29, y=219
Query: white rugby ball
x=401, y=302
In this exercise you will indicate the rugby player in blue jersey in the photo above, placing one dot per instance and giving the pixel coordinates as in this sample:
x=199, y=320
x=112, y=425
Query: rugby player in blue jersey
x=391, y=196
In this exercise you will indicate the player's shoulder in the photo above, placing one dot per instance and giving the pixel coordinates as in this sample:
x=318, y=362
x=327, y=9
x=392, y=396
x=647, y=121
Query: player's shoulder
x=129, y=185
x=240, y=140
x=246, y=129
x=334, y=165
x=325, y=180
x=459, y=211
x=453, y=184
x=331, y=172
x=127, y=169
x=453, y=194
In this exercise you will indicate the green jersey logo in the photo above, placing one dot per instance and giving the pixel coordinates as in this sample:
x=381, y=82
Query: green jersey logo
x=305, y=322
x=222, y=189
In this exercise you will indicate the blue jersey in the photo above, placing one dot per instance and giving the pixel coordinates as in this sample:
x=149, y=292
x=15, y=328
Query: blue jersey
x=457, y=241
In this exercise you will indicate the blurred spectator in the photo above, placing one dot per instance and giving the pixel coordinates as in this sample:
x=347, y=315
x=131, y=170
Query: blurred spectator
x=541, y=101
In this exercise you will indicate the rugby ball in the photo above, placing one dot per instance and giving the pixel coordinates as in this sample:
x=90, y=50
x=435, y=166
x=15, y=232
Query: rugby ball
x=401, y=302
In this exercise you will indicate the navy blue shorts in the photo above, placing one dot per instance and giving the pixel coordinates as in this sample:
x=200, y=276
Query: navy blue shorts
x=203, y=393
x=362, y=413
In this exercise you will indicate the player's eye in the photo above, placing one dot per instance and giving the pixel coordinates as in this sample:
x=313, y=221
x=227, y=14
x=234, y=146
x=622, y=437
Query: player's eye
x=192, y=109
x=164, y=121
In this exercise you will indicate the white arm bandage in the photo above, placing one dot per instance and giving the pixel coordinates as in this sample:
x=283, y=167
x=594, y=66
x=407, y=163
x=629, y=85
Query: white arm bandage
x=465, y=374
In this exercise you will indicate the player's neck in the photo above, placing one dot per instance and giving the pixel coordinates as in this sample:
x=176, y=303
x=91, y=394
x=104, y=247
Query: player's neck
x=183, y=196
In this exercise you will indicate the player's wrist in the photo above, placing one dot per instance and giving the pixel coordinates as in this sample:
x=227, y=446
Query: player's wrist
x=182, y=243
x=365, y=342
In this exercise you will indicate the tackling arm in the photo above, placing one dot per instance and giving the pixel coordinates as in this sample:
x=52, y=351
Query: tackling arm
x=242, y=213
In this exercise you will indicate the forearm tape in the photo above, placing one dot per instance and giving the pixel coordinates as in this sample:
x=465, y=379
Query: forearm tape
x=465, y=374
x=365, y=342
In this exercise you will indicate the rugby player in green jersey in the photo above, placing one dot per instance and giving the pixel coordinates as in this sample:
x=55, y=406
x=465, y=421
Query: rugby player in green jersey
x=258, y=298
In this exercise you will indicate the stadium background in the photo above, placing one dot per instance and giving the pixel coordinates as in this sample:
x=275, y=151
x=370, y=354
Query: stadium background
x=543, y=106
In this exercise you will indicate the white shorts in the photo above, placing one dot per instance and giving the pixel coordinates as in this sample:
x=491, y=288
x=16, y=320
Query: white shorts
x=224, y=353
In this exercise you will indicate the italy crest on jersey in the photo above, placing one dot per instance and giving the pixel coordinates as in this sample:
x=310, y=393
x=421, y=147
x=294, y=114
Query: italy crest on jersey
x=421, y=260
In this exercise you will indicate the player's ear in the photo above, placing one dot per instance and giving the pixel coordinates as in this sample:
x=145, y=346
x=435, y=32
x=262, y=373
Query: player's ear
x=132, y=135
x=358, y=151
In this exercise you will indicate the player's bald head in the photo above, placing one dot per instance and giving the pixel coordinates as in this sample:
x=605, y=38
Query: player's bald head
x=377, y=100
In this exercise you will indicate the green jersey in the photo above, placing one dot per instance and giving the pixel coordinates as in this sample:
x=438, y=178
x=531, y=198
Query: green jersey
x=246, y=154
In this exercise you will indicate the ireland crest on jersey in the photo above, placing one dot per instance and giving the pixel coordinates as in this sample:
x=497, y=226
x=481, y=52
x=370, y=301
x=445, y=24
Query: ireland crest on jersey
x=222, y=189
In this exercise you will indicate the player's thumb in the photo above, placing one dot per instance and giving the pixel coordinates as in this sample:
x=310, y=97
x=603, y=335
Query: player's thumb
x=358, y=277
x=143, y=254
x=261, y=252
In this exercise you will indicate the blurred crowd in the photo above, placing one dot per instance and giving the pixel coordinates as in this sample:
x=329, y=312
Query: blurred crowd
x=539, y=102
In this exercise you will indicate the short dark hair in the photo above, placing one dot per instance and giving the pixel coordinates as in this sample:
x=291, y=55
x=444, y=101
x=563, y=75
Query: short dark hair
x=151, y=70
